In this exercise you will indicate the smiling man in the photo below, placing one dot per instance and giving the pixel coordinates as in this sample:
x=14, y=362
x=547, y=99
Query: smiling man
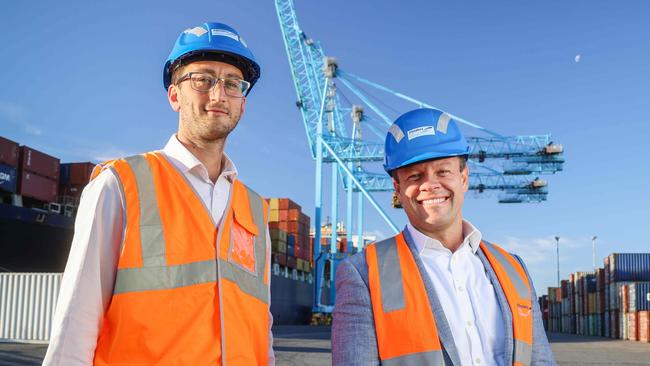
x=436, y=293
x=170, y=258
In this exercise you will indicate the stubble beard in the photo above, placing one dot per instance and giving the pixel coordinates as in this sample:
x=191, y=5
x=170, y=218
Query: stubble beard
x=210, y=129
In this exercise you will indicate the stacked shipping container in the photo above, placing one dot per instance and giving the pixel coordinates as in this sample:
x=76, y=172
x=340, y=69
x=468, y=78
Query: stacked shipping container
x=289, y=231
x=613, y=301
x=8, y=165
x=40, y=177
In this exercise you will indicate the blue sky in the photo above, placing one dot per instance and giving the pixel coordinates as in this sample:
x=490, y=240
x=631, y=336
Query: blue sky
x=83, y=82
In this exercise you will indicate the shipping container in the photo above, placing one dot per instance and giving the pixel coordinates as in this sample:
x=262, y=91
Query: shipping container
x=279, y=258
x=38, y=162
x=292, y=262
x=279, y=246
x=27, y=302
x=8, y=178
x=71, y=190
x=76, y=173
x=614, y=324
x=286, y=204
x=632, y=333
x=629, y=267
x=639, y=296
x=278, y=235
x=643, y=319
x=37, y=187
x=9, y=152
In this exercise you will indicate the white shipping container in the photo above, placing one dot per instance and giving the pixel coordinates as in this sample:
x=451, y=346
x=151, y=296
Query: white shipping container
x=27, y=302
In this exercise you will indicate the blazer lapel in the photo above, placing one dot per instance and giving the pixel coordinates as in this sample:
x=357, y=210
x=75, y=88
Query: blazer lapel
x=503, y=303
x=444, y=331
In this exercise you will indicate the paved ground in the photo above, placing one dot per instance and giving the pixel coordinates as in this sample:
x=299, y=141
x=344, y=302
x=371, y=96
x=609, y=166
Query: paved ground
x=304, y=345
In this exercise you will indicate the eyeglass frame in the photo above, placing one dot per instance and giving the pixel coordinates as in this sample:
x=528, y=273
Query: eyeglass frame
x=216, y=81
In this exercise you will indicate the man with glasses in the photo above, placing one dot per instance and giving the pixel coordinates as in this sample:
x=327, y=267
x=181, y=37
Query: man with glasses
x=170, y=258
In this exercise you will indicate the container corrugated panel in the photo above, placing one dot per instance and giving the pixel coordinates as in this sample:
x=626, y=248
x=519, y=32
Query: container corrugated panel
x=9, y=152
x=27, y=302
x=614, y=321
x=643, y=319
x=34, y=161
x=629, y=267
x=76, y=173
x=8, y=178
x=38, y=187
x=632, y=333
x=639, y=296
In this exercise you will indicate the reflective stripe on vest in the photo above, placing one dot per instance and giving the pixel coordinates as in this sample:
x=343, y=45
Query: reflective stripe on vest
x=514, y=282
x=402, y=312
x=173, y=287
x=404, y=324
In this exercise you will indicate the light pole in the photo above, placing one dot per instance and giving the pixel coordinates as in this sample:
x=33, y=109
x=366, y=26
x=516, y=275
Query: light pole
x=557, y=249
x=593, y=250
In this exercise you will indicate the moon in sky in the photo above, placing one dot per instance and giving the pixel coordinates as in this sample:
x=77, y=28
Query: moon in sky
x=577, y=58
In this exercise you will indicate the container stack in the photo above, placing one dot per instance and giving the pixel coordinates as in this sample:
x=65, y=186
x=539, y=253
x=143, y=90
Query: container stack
x=613, y=301
x=73, y=179
x=38, y=175
x=9, y=153
x=289, y=231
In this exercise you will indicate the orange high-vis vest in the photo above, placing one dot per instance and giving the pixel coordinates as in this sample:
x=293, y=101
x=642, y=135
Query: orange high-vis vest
x=404, y=323
x=186, y=292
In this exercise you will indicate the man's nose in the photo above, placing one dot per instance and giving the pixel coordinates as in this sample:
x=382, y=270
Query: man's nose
x=218, y=92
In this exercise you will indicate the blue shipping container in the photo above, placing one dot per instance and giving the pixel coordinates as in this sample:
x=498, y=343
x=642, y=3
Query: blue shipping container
x=639, y=296
x=629, y=267
x=8, y=178
x=64, y=174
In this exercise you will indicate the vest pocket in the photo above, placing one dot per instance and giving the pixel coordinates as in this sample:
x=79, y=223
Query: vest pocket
x=242, y=248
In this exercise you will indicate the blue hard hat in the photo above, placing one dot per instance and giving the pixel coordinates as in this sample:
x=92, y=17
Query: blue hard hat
x=212, y=41
x=422, y=134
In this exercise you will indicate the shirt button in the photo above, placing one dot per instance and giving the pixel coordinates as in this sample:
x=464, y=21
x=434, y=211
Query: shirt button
x=478, y=360
x=469, y=323
x=460, y=288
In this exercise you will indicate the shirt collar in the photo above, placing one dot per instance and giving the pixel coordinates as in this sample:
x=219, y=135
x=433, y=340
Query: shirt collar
x=471, y=236
x=185, y=161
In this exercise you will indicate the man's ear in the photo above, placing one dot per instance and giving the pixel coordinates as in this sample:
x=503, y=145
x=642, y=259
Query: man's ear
x=465, y=177
x=243, y=103
x=172, y=97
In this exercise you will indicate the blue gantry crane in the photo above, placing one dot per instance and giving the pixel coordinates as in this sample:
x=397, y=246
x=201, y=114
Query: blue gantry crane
x=337, y=129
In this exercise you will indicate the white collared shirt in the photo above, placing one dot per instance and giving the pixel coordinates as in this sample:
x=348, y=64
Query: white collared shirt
x=467, y=296
x=87, y=285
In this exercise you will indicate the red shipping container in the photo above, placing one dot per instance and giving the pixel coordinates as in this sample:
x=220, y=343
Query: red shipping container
x=34, y=186
x=293, y=227
x=292, y=262
x=294, y=214
x=71, y=190
x=632, y=329
x=283, y=215
x=282, y=225
x=38, y=162
x=9, y=152
x=303, y=218
x=80, y=172
x=643, y=320
x=286, y=204
x=280, y=258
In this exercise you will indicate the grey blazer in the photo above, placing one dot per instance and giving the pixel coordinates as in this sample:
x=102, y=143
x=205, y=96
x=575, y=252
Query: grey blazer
x=353, y=329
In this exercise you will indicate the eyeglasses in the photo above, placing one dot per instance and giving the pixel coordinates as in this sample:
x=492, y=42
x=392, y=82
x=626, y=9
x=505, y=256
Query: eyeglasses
x=201, y=82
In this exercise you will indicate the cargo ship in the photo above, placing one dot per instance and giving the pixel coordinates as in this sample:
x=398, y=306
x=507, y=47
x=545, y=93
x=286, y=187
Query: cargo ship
x=39, y=197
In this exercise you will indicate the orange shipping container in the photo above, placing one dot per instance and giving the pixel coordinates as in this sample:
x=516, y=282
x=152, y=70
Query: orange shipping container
x=294, y=214
x=643, y=321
